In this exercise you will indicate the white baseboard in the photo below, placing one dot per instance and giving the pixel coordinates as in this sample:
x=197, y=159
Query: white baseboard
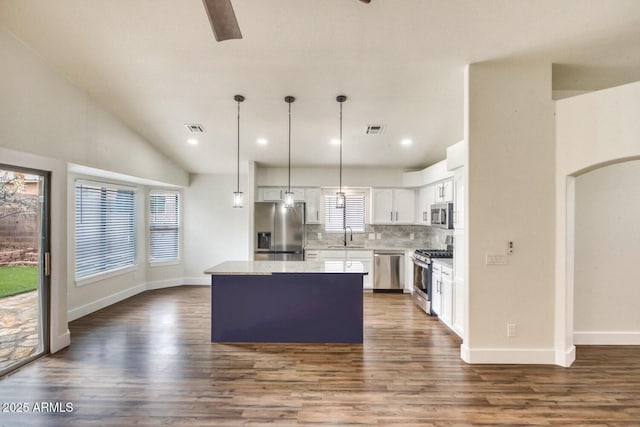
x=567, y=357
x=606, y=338
x=60, y=342
x=524, y=356
x=101, y=303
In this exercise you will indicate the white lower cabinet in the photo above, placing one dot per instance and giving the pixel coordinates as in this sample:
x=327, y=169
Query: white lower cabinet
x=442, y=289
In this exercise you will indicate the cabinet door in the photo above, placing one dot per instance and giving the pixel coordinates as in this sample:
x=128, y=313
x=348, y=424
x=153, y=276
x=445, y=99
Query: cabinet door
x=312, y=199
x=446, y=289
x=447, y=191
x=436, y=289
x=270, y=194
x=298, y=194
x=382, y=206
x=405, y=205
x=458, y=204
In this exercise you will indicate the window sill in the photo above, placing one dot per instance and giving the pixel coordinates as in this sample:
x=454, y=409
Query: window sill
x=104, y=275
x=164, y=263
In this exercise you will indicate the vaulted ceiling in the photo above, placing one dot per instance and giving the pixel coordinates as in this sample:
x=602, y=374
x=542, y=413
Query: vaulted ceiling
x=156, y=64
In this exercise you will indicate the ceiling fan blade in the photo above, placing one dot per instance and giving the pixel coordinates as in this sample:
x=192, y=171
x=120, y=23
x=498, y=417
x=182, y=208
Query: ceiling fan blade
x=223, y=19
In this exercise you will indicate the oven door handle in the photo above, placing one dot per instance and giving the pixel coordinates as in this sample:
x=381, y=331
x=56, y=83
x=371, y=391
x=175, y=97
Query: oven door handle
x=419, y=263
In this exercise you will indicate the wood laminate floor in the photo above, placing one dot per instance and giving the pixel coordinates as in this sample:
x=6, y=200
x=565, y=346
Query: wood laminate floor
x=148, y=361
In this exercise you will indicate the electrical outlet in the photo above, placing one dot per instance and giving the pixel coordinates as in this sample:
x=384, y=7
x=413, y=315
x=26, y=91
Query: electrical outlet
x=511, y=330
x=412, y=236
x=379, y=236
x=319, y=236
x=372, y=236
x=495, y=259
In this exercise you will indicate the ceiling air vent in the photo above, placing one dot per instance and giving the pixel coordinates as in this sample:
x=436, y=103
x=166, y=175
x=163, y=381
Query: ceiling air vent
x=374, y=129
x=194, y=128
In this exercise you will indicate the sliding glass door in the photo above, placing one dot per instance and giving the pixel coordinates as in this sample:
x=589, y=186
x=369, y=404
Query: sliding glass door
x=24, y=266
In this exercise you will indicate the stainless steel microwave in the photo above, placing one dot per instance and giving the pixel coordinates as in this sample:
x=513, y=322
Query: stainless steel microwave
x=442, y=215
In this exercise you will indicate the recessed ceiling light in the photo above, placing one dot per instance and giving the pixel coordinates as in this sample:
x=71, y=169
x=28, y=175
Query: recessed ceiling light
x=262, y=141
x=192, y=141
x=406, y=141
x=335, y=141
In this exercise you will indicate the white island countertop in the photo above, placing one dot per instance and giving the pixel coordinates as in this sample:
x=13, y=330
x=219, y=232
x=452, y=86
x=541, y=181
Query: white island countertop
x=270, y=267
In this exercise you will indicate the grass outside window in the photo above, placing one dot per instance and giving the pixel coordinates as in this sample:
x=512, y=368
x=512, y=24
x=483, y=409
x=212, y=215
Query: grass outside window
x=16, y=280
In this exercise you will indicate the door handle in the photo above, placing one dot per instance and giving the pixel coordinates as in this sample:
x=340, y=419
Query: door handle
x=396, y=216
x=47, y=264
x=317, y=216
x=391, y=216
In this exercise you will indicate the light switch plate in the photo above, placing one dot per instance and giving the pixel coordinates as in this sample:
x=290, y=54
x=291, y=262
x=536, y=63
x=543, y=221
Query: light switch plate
x=372, y=236
x=495, y=258
x=379, y=236
x=412, y=236
x=319, y=236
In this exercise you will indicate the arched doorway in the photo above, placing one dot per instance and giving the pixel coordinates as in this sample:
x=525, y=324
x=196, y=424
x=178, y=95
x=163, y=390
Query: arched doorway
x=606, y=249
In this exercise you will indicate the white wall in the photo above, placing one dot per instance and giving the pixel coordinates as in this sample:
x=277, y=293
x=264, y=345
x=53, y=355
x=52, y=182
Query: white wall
x=510, y=192
x=592, y=130
x=45, y=123
x=214, y=230
x=607, y=245
x=330, y=177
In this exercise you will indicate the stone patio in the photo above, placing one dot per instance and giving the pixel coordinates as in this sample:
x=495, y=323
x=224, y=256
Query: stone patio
x=18, y=327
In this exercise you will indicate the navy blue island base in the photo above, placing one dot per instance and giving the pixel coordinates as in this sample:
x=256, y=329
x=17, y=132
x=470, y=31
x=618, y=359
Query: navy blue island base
x=287, y=308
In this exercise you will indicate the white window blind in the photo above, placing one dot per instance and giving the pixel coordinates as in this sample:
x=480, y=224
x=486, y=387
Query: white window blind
x=164, y=226
x=105, y=228
x=353, y=215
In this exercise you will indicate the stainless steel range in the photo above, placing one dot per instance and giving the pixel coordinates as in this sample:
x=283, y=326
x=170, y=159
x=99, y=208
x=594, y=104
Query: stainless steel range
x=422, y=272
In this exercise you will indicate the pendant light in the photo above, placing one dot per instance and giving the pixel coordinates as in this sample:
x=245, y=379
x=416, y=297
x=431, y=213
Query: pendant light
x=340, y=199
x=288, y=195
x=237, y=195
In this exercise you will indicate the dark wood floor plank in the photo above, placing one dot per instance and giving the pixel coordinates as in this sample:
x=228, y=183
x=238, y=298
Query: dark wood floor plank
x=148, y=361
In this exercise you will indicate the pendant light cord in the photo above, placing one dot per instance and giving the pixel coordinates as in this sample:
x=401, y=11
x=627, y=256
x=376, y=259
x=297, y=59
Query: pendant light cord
x=238, y=163
x=341, y=147
x=289, y=147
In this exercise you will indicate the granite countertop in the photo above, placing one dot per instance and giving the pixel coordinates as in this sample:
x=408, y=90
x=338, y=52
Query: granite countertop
x=270, y=267
x=358, y=248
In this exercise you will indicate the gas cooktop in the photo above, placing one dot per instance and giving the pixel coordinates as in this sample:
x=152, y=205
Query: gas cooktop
x=435, y=253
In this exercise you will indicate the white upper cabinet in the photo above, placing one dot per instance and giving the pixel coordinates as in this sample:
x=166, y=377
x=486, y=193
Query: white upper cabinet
x=270, y=194
x=393, y=206
x=444, y=191
x=426, y=197
x=312, y=199
x=404, y=204
x=276, y=194
x=382, y=206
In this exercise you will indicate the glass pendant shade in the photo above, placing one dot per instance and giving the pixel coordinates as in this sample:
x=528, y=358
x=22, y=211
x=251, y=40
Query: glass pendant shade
x=340, y=199
x=288, y=199
x=237, y=199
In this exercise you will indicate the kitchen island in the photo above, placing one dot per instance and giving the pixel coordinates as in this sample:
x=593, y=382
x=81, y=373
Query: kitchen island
x=287, y=301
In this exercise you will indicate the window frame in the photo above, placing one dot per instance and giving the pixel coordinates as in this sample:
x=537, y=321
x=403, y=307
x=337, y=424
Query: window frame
x=118, y=270
x=365, y=192
x=179, y=228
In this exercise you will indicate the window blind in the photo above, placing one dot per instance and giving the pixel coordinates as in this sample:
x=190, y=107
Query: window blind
x=105, y=222
x=164, y=226
x=353, y=214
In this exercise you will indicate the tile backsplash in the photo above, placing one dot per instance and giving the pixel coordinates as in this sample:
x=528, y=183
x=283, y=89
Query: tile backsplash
x=391, y=236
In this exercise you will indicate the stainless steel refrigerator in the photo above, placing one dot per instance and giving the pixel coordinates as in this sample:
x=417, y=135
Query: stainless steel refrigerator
x=279, y=232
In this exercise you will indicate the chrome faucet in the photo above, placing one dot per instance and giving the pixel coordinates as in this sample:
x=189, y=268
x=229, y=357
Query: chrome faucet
x=350, y=235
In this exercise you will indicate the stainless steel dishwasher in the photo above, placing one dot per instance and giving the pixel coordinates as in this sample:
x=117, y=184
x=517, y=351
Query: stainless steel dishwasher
x=388, y=271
